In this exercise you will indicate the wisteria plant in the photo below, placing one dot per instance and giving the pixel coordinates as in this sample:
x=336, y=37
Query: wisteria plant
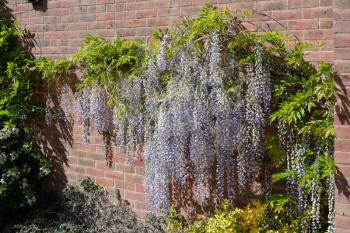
x=213, y=109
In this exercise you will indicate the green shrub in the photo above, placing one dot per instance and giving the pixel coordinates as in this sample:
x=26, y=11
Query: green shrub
x=269, y=217
x=21, y=168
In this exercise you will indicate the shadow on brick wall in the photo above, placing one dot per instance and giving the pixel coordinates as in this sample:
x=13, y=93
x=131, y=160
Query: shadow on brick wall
x=56, y=132
x=39, y=5
x=342, y=107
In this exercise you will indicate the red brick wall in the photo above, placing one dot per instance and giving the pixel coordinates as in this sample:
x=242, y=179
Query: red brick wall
x=60, y=30
x=341, y=36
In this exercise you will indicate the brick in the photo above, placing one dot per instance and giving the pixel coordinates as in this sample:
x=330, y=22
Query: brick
x=22, y=7
x=53, y=35
x=339, y=230
x=342, y=67
x=105, y=16
x=159, y=21
x=76, y=42
x=342, y=222
x=303, y=3
x=140, y=188
x=112, y=24
x=303, y=24
x=50, y=50
x=174, y=3
x=77, y=27
x=342, y=157
x=146, y=13
x=342, y=40
x=87, y=18
x=87, y=147
x=124, y=32
x=114, y=175
x=271, y=5
x=69, y=18
x=135, y=23
x=342, y=54
x=134, y=196
x=97, y=25
x=86, y=162
x=79, y=154
x=146, y=31
x=115, y=7
x=319, y=12
x=342, y=145
x=124, y=185
x=68, y=35
x=103, y=165
x=95, y=172
x=342, y=4
x=192, y=10
x=342, y=26
x=105, y=1
x=36, y=20
x=203, y=2
x=108, y=182
x=318, y=34
x=124, y=168
x=156, y=4
x=342, y=209
x=169, y=11
x=61, y=27
x=287, y=14
x=134, y=178
x=341, y=195
x=326, y=2
x=342, y=132
x=87, y=2
x=242, y=5
x=341, y=14
x=344, y=169
x=53, y=4
x=326, y=23
x=68, y=3
x=138, y=162
x=59, y=12
x=135, y=6
x=78, y=10
x=119, y=158
x=140, y=171
x=95, y=156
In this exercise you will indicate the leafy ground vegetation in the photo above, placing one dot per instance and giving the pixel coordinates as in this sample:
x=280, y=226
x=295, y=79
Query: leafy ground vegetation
x=236, y=128
x=85, y=208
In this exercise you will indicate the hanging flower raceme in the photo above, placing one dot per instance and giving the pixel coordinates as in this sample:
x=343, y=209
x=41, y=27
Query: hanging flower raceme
x=82, y=106
x=99, y=110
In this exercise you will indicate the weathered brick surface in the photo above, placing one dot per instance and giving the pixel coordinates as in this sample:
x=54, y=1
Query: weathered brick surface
x=60, y=30
x=62, y=26
x=341, y=38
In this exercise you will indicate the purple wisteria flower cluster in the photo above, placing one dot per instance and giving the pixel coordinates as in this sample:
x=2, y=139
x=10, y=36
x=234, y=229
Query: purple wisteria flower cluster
x=194, y=126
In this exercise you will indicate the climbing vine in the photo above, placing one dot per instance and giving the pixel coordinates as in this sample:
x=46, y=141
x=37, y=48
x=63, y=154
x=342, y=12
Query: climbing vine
x=215, y=108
